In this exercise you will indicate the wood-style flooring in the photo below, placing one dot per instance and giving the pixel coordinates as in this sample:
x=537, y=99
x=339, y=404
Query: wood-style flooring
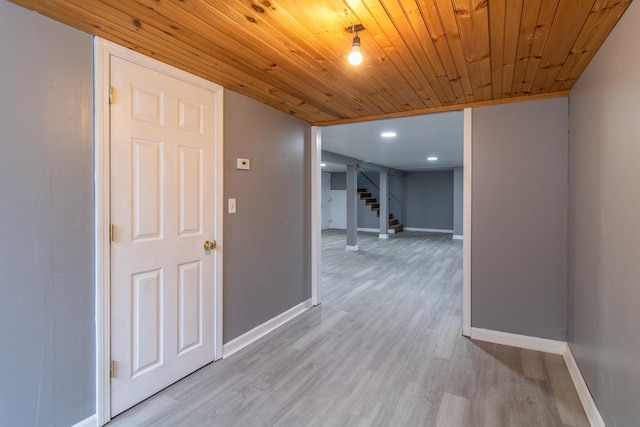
x=383, y=349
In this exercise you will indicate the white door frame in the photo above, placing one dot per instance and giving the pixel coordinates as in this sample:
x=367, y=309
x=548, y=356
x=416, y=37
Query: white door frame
x=316, y=232
x=316, y=218
x=466, y=223
x=103, y=51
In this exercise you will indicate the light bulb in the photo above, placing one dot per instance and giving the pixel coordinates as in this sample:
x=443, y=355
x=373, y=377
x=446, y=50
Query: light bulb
x=355, y=57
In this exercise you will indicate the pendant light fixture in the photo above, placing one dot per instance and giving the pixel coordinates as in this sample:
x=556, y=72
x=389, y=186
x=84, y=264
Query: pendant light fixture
x=355, y=57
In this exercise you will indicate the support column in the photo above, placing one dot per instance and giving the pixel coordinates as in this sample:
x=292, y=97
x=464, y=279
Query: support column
x=458, y=199
x=384, y=205
x=352, y=208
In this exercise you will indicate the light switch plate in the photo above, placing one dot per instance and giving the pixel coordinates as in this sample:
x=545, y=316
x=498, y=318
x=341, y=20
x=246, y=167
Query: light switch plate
x=243, y=164
x=232, y=206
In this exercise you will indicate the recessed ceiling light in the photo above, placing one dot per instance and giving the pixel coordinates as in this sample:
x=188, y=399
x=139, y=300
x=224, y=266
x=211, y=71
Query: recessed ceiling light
x=388, y=134
x=323, y=164
x=432, y=158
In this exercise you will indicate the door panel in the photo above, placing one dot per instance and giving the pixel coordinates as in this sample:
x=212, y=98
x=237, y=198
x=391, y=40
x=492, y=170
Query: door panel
x=162, y=209
x=189, y=306
x=146, y=326
x=148, y=191
x=190, y=190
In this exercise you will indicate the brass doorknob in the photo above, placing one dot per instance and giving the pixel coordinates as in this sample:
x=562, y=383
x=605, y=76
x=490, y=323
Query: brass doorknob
x=209, y=246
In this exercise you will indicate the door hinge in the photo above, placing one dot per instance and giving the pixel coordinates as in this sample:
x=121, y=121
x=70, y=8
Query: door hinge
x=111, y=96
x=112, y=369
x=111, y=232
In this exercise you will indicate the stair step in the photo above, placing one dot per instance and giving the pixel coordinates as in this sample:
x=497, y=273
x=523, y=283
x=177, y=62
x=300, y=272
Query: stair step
x=374, y=205
x=397, y=228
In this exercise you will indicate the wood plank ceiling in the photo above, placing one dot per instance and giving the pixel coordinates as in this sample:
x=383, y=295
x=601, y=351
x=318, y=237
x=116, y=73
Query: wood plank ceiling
x=419, y=55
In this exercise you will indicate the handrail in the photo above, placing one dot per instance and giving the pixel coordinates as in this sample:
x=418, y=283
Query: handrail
x=370, y=180
x=378, y=188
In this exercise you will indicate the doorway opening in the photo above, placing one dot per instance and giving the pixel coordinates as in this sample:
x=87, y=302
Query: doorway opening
x=321, y=147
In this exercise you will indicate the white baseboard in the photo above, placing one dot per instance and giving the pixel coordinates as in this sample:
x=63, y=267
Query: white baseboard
x=548, y=346
x=520, y=341
x=352, y=248
x=457, y=237
x=589, y=405
x=429, y=230
x=383, y=236
x=92, y=421
x=258, y=332
x=369, y=230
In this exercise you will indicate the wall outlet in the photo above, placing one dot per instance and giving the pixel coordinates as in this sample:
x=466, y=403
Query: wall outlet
x=243, y=164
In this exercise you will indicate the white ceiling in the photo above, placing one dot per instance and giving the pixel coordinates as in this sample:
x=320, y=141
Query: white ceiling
x=417, y=138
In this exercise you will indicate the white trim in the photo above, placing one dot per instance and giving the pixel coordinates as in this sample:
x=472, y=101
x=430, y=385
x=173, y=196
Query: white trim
x=103, y=50
x=368, y=230
x=218, y=221
x=316, y=219
x=520, y=341
x=457, y=237
x=92, y=421
x=589, y=405
x=383, y=236
x=429, y=230
x=258, y=332
x=352, y=248
x=548, y=346
x=113, y=49
x=466, y=222
x=102, y=179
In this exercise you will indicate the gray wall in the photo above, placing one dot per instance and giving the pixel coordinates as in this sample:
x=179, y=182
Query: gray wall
x=338, y=180
x=47, y=373
x=519, y=229
x=267, y=242
x=604, y=218
x=419, y=200
x=458, y=198
x=429, y=200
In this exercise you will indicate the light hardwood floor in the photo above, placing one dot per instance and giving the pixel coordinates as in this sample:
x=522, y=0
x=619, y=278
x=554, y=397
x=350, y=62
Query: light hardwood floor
x=383, y=349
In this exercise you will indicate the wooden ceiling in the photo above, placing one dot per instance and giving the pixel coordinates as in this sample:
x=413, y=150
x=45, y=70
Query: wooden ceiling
x=419, y=55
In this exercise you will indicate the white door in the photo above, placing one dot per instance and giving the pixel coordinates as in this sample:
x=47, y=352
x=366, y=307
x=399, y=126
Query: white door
x=326, y=200
x=339, y=209
x=162, y=210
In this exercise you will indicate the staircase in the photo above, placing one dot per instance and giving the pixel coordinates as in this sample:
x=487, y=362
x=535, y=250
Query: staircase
x=393, y=224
